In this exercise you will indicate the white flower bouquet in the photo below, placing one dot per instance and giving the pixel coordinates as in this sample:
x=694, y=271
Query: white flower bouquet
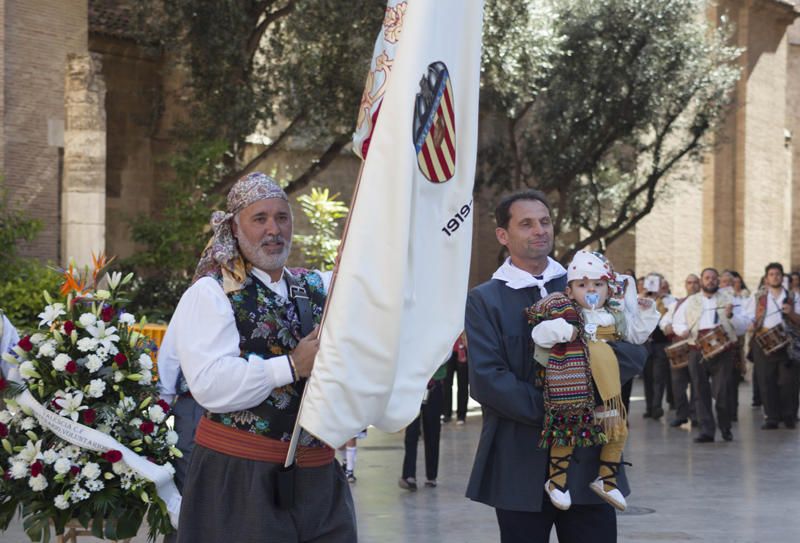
x=86, y=370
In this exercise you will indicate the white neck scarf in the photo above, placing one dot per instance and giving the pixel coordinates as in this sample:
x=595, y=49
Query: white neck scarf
x=517, y=278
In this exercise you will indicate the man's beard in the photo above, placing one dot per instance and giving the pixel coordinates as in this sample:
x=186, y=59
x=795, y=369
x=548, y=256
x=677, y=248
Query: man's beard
x=256, y=255
x=710, y=290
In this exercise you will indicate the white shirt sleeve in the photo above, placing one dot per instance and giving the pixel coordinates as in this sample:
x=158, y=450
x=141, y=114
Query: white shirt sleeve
x=639, y=322
x=666, y=320
x=548, y=333
x=168, y=366
x=9, y=339
x=740, y=320
x=207, y=345
x=749, y=309
x=679, y=324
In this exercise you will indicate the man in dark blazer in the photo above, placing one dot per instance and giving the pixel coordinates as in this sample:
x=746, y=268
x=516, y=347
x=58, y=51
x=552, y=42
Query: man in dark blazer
x=510, y=469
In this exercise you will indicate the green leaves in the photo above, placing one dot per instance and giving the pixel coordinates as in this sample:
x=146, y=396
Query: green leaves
x=625, y=92
x=323, y=212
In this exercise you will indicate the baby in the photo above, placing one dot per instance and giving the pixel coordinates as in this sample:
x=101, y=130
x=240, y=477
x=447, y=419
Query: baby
x=582, y=388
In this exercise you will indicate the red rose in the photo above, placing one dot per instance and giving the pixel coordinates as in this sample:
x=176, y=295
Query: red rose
x=89, y=415
x=36, y=468
x=3, y=384
x=7, y=475
x=69, y=326
x=71, y=366
x=147, y=427
x=120, y=359
x=112, y=456
x=107, y=313
x=163, y=405
x=25, y=344
x=3, y=430
x=74, y=471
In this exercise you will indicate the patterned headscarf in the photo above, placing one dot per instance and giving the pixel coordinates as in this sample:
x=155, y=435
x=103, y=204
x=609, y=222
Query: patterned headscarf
x=221, y=255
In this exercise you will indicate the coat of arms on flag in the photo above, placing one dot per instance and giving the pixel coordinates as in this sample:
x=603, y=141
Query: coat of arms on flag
x=435, y=125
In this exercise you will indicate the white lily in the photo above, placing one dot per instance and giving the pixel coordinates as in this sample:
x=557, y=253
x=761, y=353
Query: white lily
x=70, y=404
x=28, y=371
x=104, y=336
x=114, y=279
x=127, y=318
x=51, y=313
x=31, y=452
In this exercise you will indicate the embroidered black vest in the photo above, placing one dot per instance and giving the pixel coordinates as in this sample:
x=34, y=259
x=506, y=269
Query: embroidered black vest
x=269, y=326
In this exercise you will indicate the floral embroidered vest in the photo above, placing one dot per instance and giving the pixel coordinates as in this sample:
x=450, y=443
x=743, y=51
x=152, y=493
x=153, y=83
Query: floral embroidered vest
x=269, y=326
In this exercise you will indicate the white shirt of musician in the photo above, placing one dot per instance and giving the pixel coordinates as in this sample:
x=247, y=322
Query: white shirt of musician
x=708, y=317
x=773, y=316
x=203, y=341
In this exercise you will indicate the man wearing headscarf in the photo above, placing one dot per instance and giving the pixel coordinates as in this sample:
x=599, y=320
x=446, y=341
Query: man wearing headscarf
x=245, y=335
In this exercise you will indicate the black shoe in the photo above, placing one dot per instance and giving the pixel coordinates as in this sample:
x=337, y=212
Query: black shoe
x=657, y=413
x=790, y=424
x=769, y=426
x=702, y=438
x=734, y=418
x=408, y=483
x=727, y=435
x=677, y=422
x=446, y=419
x=646, y=415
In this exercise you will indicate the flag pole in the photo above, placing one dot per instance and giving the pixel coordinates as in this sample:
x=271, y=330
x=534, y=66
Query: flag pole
x=290, y=456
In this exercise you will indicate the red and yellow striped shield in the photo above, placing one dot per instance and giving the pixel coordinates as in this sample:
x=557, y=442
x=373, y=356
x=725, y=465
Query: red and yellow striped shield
x=435, y=125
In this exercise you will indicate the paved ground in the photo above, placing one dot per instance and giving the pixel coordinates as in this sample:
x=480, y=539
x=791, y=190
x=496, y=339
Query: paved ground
x=747, y=491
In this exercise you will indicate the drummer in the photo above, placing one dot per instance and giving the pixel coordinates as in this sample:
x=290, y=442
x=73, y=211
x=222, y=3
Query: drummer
x=776, y=372
x=704, y=315
x=680, y=378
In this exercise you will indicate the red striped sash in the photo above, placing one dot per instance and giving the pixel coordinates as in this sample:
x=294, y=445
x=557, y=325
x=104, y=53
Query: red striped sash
x=233, y=442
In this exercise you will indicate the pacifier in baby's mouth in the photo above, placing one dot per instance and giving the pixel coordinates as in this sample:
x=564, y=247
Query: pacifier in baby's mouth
x=592, y=298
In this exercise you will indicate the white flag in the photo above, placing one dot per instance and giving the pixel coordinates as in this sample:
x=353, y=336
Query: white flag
x=398, y=301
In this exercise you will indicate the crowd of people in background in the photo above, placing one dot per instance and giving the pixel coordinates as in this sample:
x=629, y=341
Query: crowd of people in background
x=760, y=327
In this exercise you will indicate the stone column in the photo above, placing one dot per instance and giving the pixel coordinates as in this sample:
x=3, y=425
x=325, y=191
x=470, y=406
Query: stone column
x=83, y=203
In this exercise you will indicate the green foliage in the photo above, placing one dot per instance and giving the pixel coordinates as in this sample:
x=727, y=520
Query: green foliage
x=278, y=68
x=21, y=297
x=172, y=240
x=632, y=89
x=323, y=212
x=14, y=227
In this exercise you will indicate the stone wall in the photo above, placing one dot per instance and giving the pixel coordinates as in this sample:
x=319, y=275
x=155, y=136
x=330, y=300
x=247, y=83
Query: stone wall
x=767, y=202
x=738, y=212
x=793, y=126
x=36, y=36
x=135, y=150
x=83, y=207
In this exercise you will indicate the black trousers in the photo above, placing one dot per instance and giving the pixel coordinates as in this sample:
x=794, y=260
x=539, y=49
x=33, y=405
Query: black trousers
x=459, y=371
x=578, y=524
x=777, y=382
x=717, y=370
x=431, y=431
x=656, y=378
x=680, y=383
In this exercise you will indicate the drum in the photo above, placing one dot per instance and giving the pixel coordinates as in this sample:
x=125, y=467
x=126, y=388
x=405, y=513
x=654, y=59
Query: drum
x=773, y=339
x=714, y=341
x=678, y=354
